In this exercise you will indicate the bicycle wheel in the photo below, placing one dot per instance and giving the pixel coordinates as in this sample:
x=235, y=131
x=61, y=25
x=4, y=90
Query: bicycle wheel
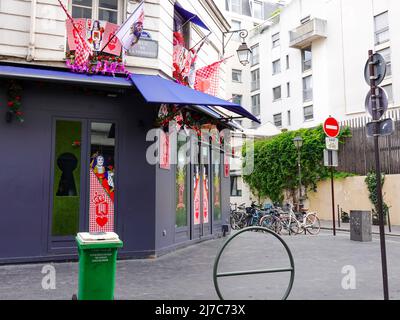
x=313, y=225
x=295, y=227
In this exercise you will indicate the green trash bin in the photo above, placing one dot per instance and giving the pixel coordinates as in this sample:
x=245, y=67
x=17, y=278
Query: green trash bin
x=97, y=265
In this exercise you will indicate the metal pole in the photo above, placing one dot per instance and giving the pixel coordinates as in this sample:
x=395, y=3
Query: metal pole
x=338, y=215
x=333, y=201
x=379, y=179
x=299, y=164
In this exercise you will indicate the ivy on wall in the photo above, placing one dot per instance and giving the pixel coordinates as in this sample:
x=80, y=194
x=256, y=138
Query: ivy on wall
x=275, y=163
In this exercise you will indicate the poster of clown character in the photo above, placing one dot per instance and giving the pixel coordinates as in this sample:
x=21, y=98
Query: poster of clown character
x=101, y=207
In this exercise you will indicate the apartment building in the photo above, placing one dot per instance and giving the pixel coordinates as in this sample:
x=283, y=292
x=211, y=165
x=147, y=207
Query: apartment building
x=313, y=58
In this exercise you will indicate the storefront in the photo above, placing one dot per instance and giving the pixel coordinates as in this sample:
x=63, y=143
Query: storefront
x=78, y=163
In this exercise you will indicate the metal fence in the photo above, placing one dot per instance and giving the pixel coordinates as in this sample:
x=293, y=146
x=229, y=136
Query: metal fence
x=357, y=154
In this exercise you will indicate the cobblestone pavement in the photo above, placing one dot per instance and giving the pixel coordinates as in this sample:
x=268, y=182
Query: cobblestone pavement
x=187, y=273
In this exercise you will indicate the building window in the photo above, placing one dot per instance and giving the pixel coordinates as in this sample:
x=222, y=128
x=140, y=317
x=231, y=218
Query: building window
x=106, y=10
x=236, y=25
x=181, y=26
x=387, y=55
x=288, y=89
x=276, y=39
x=276, y=67
x=306, y=56
x=236, y=6
x=236, y=75
x=389, y=92
x=278, y=120
x=381, y=28
x=308, y=113
x=237, y=99
x=235, y=190
x=255, y=55
x=287, y=62
x=255, y=80
x=258, y=11
x=289, y=118
x=307, y=89
x=277, y=93
x=255, y=105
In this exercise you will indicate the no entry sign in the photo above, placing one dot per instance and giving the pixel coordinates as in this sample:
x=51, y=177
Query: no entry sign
x=331, y=127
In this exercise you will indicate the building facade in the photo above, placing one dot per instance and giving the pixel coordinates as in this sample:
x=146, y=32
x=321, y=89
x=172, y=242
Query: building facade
x=79, y=160
x=314, y=55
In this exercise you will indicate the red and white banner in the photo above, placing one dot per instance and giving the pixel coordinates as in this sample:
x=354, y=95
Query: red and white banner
x=96, y=32
x=196, y=200
x=164, y=151
x=205, y=199
x=101, y=207
x=207, y=78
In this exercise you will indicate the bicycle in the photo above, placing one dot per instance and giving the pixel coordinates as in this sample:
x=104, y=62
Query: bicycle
x=272, y=221
x=310, y=223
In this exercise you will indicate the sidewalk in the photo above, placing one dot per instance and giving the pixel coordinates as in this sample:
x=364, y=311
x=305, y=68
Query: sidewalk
x=327, y=225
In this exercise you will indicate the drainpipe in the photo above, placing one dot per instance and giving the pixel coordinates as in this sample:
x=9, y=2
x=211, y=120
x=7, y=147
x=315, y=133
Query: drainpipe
x=31, y=46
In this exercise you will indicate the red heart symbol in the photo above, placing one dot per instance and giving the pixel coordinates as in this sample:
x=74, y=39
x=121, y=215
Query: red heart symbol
x=111, y=46
x=102, y=221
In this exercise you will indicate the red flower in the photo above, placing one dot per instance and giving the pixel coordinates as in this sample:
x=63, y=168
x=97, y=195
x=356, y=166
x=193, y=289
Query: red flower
x=18, y=98
x=10, y=104
x=19, y=113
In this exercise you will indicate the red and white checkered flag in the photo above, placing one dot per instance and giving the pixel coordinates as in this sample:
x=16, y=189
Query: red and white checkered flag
x=207, y=78
x=82, y=52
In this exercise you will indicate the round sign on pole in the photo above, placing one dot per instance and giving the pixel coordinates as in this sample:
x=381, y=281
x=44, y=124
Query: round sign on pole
x=382, y=103
x=331, y=127
x=380, y=69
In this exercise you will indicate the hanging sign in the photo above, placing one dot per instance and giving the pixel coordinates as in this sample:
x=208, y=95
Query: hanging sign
x=96, y=32
x=101, y=197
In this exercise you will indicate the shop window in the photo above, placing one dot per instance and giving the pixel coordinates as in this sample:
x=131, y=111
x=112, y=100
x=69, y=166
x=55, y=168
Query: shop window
x=67, y=177
x=105, y=10
x=102, y=177
x=181, y=182
x=216, y=181
x=235, y=191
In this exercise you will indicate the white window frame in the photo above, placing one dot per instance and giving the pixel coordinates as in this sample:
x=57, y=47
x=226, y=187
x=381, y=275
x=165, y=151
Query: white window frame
x=239, y=72
x=273, y=93
x=96, y=7
x=253, y=11
x=255, y=48
x=255, y=83
x=276, y=67
x=308, y=94
x=276, y=42
x=275, y=122
x=240, y=7
x=383, y=30
x=304, y=113
x=256, y=108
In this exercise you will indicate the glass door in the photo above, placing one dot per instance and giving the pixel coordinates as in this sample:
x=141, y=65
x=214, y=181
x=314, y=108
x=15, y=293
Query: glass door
x=67, y=207
x=102, y=177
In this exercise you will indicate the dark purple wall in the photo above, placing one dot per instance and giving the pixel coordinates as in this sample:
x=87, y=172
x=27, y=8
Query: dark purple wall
x=26, y=160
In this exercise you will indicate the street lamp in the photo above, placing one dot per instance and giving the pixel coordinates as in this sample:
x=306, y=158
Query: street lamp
x=243, y=52
x=298, y=142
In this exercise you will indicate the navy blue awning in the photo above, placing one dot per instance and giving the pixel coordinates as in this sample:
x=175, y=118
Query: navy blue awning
x=189, y=16
x=156, y=89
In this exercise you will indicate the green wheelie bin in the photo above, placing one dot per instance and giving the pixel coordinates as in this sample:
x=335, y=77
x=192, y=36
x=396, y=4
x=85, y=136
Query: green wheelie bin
x=97, y=265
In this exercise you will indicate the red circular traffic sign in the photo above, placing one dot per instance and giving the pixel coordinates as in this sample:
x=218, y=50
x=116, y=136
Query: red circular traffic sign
x=331, y=127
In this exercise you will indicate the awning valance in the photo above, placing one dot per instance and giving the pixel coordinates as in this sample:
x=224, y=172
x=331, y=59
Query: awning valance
x=189, y=16
x=159, y=90
x=154, y=89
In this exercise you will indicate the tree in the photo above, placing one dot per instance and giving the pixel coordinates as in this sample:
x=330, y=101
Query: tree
x=275, y=163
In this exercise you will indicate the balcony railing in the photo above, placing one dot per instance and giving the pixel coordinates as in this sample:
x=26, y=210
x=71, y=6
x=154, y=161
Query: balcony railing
x=307, y=33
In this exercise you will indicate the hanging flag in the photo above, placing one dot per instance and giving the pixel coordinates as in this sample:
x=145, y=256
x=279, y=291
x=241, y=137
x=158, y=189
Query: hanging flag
x=82, y=52
x=130, y=31
x=207, y=78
